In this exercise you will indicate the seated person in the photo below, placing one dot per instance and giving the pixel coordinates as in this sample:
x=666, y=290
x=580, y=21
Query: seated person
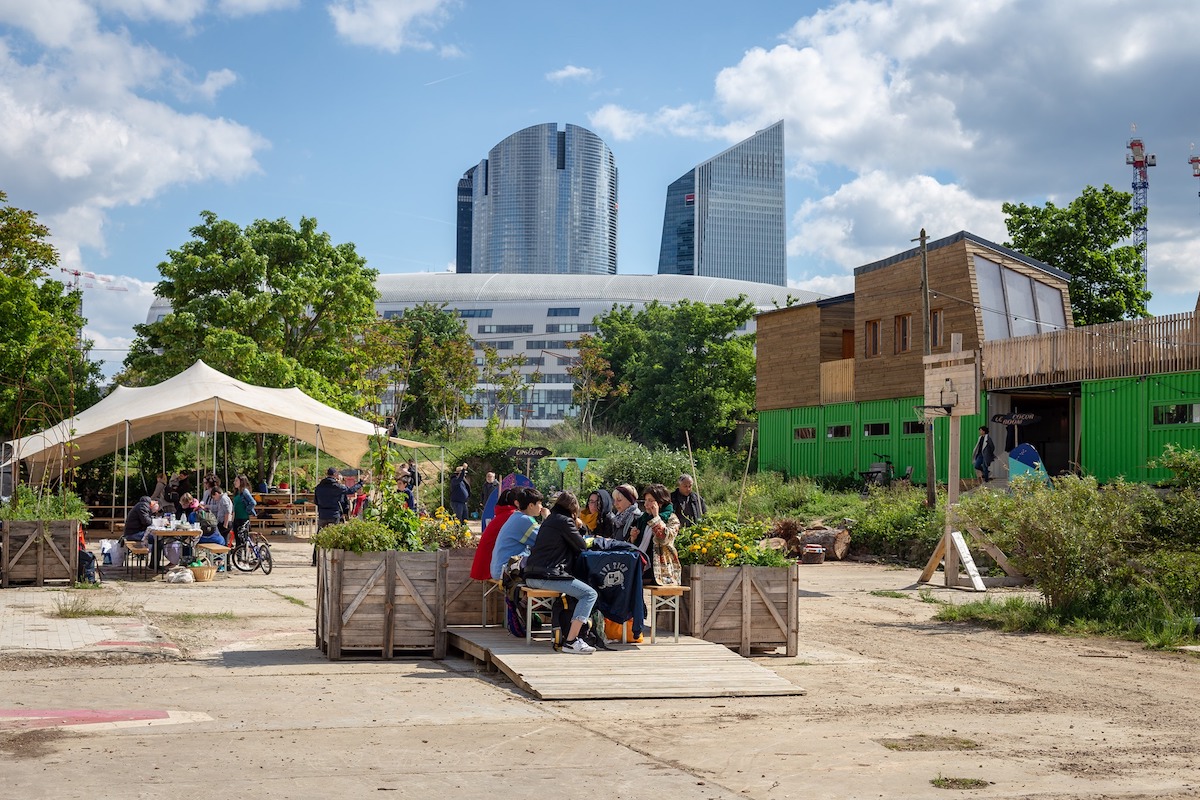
x=517, y=535
x=506, y=506
x=138, y=522
x=188, y=507
x=554, y=551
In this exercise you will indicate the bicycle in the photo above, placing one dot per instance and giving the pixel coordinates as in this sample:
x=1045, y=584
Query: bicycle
x=252, y=551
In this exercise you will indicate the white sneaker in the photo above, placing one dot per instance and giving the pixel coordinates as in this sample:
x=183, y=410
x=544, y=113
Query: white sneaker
x=579, y=646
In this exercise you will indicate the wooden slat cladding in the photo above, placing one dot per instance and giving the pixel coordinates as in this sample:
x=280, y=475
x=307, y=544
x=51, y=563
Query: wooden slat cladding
x=788, y=344
x=837, y=381
x=1122, y=349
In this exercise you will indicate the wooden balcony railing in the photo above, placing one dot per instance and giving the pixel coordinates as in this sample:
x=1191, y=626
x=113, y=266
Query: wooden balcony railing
x=1123, y=349
x=837, y=381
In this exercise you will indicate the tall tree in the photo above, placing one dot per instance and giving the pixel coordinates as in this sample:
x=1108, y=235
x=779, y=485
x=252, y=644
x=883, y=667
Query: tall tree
x=687, y=368
x=45, y=374
x=271, y=304
x=441, y=370
x=1083, y=239
x=592, y=378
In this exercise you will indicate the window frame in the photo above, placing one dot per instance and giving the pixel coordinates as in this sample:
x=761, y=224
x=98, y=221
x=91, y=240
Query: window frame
x=873, y=338
x=902, y=343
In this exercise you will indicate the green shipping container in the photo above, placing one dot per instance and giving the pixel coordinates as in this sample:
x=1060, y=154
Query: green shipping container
x=1127, y=422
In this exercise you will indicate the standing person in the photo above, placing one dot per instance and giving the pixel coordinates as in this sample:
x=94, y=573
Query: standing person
x=159, y=495
x=222, y=508
x=243, y=508
x=183, y=486
x=625, y=511
x=414, y=475
x=984, y=453
x=330, y=496
x=410, y=499
x=490, y=484
x=460, y=492
x=657, y=528
x=688, y=503
x=549, y=567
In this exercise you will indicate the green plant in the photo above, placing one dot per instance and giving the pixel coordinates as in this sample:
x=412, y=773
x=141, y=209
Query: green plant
x=719, y=541
x=640, y=465
x=942, y=782
x=364, y=536
x=444, y=530
x=888, y=593
x=72, y=606
x=28, y=505
x=896, y=522
x=1184, y=463
x=392, y=512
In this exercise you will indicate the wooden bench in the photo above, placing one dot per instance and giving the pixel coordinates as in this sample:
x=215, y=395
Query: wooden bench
x=215, y=554
x=537, y=600
x=665, y=598
x=139, y=551
x=490, y=586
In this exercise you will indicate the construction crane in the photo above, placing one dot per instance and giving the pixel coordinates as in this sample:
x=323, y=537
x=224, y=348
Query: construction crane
x=1141, y=161
x=1195, y=162
x=77, y=282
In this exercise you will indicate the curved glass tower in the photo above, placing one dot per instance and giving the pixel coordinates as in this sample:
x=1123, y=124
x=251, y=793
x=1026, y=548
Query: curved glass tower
x=725, y=218
x=544, y=201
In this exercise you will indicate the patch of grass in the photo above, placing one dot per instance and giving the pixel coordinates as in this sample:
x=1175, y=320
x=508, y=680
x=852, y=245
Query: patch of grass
x=296, y=601
x=926, y=596
x=942, y=782
x=889, y=593
x=925, y=743
x=197, y=616
x=73, y=606
x=1010, y=614
x=86, y=585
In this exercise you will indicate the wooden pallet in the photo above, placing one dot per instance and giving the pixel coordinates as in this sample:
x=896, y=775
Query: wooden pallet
x=689, y=668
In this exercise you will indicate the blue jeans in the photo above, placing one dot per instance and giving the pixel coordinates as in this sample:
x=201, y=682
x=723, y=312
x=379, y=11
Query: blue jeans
x=460, y=510
x=576, y=588
x=983, y=466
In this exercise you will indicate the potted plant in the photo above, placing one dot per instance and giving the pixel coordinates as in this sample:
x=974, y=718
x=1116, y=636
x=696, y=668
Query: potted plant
x=744, y=594
x=383, y=580
x=41, y=536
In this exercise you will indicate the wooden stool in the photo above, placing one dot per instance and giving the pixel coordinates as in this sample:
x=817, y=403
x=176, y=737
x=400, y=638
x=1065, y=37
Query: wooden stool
x=537, y=600
x=490, y=586
x=665, y=598
x=138, y=551
x=215, y=554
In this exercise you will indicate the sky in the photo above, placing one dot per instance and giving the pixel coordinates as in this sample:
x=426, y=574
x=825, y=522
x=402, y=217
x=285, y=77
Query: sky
x=122, y=120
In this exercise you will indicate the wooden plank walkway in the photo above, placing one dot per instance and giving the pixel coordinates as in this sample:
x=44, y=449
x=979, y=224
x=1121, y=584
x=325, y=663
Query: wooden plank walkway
x=689, y=668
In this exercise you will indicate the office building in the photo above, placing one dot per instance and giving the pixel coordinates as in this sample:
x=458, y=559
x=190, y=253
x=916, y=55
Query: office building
x=725, y=218
x=544, y=201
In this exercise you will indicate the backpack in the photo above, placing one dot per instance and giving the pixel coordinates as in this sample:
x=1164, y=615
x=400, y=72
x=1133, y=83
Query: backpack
x=207, y=520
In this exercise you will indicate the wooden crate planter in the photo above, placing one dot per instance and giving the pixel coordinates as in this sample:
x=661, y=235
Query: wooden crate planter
x=464, y=595
x=743, y=608
x=381, y=603
x=39, y=551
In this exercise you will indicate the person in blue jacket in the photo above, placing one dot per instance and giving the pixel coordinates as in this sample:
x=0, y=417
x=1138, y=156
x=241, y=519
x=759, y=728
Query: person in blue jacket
x=460, y=492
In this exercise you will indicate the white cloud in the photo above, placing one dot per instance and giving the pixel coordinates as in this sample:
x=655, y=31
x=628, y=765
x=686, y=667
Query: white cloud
x=243, y=8
x=390, y=25
x=110, y=315
x=875, y=215
x=214, y=83
x=571, y=73
x=828, y=285
x=621, y=124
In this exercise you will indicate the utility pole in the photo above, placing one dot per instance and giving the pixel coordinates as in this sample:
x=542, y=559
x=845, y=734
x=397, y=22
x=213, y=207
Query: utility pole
x=930, y=464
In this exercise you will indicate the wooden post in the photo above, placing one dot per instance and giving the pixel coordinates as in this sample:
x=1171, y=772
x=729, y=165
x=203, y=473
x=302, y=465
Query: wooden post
x=389, y=604
x=793, y=610
x=439, y=608
x=337, y=559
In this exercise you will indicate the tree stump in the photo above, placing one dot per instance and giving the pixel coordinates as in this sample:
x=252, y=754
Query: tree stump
x=836, y=542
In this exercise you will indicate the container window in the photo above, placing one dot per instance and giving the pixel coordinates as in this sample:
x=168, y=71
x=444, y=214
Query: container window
x=877, y=429
x=914, y=428
x=801, y=434
x=1177, y=414
x=837, y=432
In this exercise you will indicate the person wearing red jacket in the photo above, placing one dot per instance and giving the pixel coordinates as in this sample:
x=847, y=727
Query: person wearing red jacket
x=506, y=504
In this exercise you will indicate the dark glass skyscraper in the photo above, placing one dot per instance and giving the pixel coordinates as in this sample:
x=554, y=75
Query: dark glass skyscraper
x=725, y=218
x=544, y=201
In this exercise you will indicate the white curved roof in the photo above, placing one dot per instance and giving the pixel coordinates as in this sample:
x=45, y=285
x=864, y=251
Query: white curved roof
x=453, y=288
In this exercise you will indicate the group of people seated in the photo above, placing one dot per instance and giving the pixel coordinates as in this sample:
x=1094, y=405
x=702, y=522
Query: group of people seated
x=219, y=513
x=548, y=540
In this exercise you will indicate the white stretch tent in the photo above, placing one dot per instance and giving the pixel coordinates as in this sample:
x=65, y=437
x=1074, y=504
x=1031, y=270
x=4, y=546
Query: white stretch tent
x=197, y=399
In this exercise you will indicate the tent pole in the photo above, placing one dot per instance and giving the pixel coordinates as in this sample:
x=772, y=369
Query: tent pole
x=116, y=453
x=162, y=438
x=126, y=497
x=216, y=414
x=317, y=468
x=442, y=478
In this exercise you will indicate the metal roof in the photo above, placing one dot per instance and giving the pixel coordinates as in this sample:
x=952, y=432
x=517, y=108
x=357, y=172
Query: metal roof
x=958, y=237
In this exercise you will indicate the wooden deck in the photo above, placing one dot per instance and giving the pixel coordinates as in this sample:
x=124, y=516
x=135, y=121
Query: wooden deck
x=689, y=668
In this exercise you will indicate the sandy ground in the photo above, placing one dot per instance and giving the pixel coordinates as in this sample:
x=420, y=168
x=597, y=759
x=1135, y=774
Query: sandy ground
x=254, y=710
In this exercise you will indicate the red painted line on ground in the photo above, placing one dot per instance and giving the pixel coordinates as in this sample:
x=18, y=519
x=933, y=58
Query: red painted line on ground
x=112, y=643
x=20, y=718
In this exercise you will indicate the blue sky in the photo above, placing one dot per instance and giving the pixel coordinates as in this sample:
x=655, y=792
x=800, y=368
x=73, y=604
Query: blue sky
x=123, y=119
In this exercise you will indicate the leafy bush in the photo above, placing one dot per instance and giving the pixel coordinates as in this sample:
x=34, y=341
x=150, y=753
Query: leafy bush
x=719, y=541
x=770, y=495
x=364, y=536
x=28, y=505
x=444, y=530
x=1184, y=463
x=895, y=521
x=640, y=465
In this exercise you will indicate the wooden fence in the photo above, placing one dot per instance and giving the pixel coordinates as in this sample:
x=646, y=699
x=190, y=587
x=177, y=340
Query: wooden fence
x=837, y=381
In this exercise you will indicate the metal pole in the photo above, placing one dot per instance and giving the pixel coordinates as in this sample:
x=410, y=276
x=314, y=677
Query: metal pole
x=930, y=465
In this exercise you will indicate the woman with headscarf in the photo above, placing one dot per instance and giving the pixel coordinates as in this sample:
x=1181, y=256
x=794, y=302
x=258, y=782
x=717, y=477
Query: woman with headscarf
x=656, y=530
x=625, y=511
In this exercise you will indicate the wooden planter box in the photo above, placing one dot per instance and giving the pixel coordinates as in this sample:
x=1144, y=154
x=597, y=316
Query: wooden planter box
x=743, y=608
x=464, y=595
x=36, y=552
x=381, y=603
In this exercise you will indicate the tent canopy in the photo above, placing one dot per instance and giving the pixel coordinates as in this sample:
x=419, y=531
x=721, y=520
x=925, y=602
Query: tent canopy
x=197, y=399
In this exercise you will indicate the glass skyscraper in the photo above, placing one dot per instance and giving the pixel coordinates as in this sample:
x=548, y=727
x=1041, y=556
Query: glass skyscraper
x=725, y=218
x=544, y=201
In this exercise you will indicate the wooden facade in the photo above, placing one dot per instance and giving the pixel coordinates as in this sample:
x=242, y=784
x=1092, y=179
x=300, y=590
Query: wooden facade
x=799, y=341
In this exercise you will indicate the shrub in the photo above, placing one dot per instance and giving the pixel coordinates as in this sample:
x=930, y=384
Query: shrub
x=895, y=521
x=640, y=465
x=28, y=505
x=719, y=541
x=364, y=536
x=444, y=530
x=1184, y=463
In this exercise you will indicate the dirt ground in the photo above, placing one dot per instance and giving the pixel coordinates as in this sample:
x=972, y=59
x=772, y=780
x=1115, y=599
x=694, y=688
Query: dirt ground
x=895, y=701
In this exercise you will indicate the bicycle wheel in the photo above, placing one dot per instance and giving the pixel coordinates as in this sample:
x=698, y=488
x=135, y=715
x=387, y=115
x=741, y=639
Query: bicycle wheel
x=244, y=557
x=264, y=558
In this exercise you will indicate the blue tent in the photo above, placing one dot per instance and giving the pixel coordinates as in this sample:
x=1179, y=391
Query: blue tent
x=1024, y=460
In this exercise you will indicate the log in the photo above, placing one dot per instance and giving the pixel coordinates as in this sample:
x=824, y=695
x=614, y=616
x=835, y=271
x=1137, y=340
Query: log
x=836, y=542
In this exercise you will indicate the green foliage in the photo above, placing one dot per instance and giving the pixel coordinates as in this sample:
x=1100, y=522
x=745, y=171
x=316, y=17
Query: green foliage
x=365, y=536
x=391, y=510
x=641, y=465
x=46, y=374
x=896, y=522
x=28, y=505
x=1183, y=462
x=1084, y=240
x=686, y=366
x=720, y=541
